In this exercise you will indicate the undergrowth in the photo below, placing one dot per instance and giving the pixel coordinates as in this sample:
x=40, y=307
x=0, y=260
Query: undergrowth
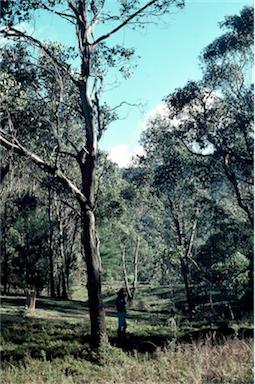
x=188, y=364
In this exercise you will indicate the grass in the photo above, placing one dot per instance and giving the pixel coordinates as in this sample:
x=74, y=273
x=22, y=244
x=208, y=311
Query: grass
x=51, y=345
x=187, y=364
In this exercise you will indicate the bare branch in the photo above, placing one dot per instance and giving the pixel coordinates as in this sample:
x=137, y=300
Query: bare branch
x=97, y=13
x=137, y=105
x=125, y=22
x=72, y=7
x=191, y=240
x=66, y=16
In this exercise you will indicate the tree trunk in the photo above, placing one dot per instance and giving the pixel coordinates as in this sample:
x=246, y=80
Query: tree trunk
x=31, y=300
x=181, y=236
x=188, y=256
x=89, y=239
x=248, y=299
x=64, y=294
x=136, y=253
x=184, y=269
x=88, y=173
x=240, y=200
x=123, y=259
x=130, y=293
x=93, y=263
x=51, y=264
x=5, y=269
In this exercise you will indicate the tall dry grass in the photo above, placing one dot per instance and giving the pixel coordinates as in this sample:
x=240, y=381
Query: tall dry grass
x=227, y=363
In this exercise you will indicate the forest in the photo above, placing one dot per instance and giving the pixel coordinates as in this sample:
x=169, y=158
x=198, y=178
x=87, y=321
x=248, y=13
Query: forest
x=174, y=228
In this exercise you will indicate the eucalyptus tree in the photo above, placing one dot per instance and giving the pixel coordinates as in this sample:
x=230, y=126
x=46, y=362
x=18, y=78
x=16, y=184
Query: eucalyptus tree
x=127, y=224
x=213, y=117
x=64, y=222
x=24, y=258
x=223, y=259
x=180, y=182
x=216, y=113
x=95, y=56
x=135, y=232
x=109, y=211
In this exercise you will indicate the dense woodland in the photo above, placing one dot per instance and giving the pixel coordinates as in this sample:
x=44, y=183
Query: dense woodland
x=180, y=216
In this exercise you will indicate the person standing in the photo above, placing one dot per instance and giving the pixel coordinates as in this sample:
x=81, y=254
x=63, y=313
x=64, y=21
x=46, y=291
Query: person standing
x=121, y=312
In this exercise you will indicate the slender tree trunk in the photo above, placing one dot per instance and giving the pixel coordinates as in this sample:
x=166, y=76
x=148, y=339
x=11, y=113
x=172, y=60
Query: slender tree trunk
x=248, y=299
x=131, y=294
x=59, y=287
x=183, y=258
x=186, y=268
x=240, y=200
x=89, y=238
x=64, y=294
x=5, y=270
x=124, y=269
x=51, y=264
x=136, y=253
x=185, y=272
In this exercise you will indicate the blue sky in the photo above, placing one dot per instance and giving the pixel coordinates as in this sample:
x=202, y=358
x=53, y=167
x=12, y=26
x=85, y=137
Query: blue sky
x=168, y=59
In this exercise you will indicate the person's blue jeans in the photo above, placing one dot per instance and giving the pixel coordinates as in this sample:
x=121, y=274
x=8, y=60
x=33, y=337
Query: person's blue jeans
x=122, y=320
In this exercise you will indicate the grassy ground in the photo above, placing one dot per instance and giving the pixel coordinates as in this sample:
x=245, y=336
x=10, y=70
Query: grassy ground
x=51, y=345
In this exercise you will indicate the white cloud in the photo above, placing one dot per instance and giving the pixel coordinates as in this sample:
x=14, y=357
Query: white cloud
x=159, y=111
x=122, y=154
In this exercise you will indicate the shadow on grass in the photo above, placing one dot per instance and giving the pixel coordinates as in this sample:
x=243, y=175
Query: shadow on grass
x=52, y=338
x=8, y=319
x=154, y=342
x=62, y=306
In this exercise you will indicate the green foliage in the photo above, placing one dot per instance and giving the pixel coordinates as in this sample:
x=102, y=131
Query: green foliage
x=225, y=259
x=25, y=245
x=238, y=38
x=216, y=113
x=233, y=274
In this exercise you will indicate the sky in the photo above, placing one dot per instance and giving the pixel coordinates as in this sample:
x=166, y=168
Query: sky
x=168, y=58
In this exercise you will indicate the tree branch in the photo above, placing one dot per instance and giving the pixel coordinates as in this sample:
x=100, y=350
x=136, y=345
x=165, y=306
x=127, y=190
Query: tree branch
x=66, y=16
x=54, y=171
x=131, y=17
x=13, y=32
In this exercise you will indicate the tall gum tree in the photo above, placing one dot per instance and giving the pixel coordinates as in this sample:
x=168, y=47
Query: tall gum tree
x=217, y=114
x=85, y=16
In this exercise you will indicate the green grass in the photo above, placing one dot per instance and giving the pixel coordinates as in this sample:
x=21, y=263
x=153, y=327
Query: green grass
x=51, y=344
